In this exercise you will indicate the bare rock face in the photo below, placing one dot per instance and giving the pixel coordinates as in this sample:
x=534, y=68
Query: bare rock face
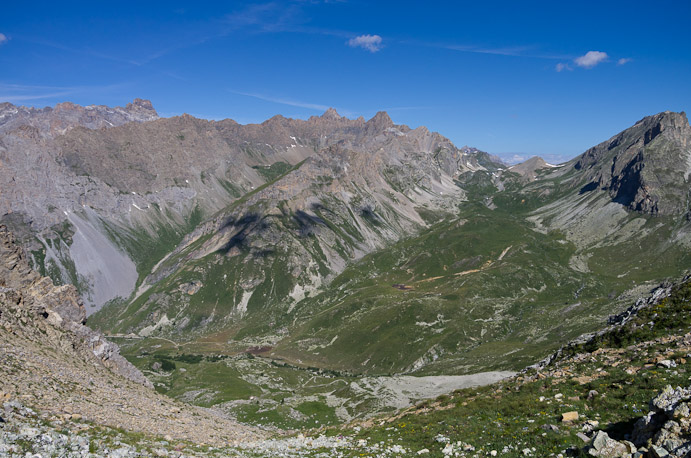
x=79, y=183
x=58, y=311
x=65, y=370
x=645, y=167
x=527, y=169
x=66, y=116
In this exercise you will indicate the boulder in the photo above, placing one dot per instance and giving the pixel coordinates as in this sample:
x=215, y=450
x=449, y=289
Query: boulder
x=569, y=416
x=604, y=446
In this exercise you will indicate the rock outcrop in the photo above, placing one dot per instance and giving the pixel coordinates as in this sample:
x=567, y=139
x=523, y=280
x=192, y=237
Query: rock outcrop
x=665, y=431
x=528, y=169
x=645, y=167
x=667, y=427
x=65, y=370
x=57, y=311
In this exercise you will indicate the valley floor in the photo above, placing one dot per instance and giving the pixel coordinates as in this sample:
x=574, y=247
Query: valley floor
x=522, y=416
x=550, y=412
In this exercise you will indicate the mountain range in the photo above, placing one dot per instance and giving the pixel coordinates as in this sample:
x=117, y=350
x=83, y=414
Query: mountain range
x=265, y=253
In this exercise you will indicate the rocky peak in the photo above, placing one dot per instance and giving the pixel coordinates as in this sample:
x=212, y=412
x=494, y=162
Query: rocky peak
x=380, y=121
x=331, y=113
x=645, y=167
x=67, y=115
x=527, y=169
x=142, y=110
x=141, y=103
x=66, y=106
x=656, y=124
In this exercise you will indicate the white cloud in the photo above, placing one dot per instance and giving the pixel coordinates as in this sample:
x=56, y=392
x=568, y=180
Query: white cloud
x=624, y=60
x=372, y=43
x=591, y=59
x=560, y=67
x=516, y=158
x=3, y=38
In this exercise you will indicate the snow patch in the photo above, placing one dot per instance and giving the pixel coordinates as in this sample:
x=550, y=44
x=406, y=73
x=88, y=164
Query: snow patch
x=503, y=253
x=427, y=325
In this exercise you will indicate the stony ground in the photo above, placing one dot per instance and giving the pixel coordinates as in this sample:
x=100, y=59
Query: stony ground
x=50, y=361
x=620, y=393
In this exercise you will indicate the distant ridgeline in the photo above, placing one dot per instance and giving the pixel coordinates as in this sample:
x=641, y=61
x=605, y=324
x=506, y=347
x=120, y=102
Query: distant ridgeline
x=353, y=246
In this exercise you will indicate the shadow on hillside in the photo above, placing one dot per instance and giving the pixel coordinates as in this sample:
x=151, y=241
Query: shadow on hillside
x=250, y=223
x=587, y=188
x=307, y=224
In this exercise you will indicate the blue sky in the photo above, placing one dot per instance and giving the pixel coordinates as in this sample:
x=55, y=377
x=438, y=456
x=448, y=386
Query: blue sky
x=548, y=78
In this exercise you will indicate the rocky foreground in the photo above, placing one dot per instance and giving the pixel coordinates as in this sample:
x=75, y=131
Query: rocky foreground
x=51, y=361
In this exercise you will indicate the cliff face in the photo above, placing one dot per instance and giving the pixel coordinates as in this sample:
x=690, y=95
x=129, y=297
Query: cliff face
x=645, y=167
x=64, y=370
x=33, y=307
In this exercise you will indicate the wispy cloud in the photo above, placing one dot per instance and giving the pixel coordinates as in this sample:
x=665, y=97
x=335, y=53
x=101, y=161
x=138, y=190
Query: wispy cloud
x=14, y=93
x=18, y=93
x=591, y=59
x=560, y=67
x=276, y=17
x=508, y=51
x=85, y=52
x=624, y=60
x=372, y=43
x=188, y=39
x=3, y=38
x=268, y=17
x=512, y=51
x=284, y=101
x=29, y=97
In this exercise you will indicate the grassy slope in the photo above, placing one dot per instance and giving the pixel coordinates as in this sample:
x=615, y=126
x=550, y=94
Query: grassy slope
x=520, y=413
x=147, y=250
x=470, y=309
x=509, y=416
x=462, y=309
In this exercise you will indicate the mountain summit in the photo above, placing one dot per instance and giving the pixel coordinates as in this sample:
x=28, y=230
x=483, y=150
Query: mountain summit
x=331, y=113
x=645, y=167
